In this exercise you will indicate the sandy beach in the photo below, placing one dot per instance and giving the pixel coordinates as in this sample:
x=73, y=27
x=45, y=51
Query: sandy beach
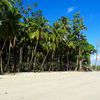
x=51, y=86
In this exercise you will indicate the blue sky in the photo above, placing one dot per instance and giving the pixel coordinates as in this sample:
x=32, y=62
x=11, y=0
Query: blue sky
x=89, y=9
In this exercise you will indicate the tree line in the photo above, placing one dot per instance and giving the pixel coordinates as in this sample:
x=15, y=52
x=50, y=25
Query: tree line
x=29, y=43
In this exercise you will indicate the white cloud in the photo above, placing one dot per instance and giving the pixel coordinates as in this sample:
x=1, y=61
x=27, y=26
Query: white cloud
x=70, y=9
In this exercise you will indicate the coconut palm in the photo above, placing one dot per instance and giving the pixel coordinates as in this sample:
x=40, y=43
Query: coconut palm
x=5, y=6
x=78, y=28
x=11, y=27
x=37, y=30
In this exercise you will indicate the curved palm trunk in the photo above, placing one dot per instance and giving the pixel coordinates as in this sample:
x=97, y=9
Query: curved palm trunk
x=77, y=63
x=1, y=65
x=34, y=63
x=44, y=60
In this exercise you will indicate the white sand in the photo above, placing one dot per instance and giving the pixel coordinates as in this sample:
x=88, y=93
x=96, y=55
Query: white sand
x=51, y=86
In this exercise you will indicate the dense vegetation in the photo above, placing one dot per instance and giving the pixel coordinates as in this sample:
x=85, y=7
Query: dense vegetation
x=29, y=43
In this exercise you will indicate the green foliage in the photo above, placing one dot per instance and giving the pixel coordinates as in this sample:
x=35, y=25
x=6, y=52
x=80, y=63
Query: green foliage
x=29, y=43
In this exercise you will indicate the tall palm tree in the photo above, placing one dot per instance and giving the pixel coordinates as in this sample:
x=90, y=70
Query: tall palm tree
x=5, y=6
x=78, y=28
x=65, y=27
x=11, y=27
x=37, y=30
x=57, y=38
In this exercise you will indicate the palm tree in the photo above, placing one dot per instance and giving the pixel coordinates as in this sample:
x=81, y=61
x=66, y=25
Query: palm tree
x=38, y=30
x=5, y=6
x=78, y=28
x=37, y=44
x=57, y=38
x=66, y=27
x=11, y=27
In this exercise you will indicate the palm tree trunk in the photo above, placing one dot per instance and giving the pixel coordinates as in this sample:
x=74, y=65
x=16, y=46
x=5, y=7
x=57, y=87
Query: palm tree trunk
x=44, y=60
x=80, y=60
x=34, y=64
x=77, y=61
x=28, y=57
x=67, y=60
x=1, y=67
x=14, y=60
x=80, y=64
x=78, y=56
x=52, y=61
x=8, y=62
x=20, y=55
x=35, y=54
x=20, y=59
x=31, y=60
x=58, y=62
